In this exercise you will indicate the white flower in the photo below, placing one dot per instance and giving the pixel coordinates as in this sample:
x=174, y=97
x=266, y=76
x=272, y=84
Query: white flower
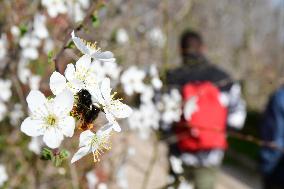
x=106, y=69
x=176, y=165
x=84, y=3
x=5, y=88
x=23, y=71
x=35, y=145
x=102, y=186
x=54, y=7
x=155, y=81
x=92, y=179
x=122, y=36
x=39, y=27
x=156, y=37
x=113, y=108
x=151, y=115
x=132, y=80
x=15, y=31
x=147, y=94
x=16, y=114
x=3, y=110
x=77, y=12
x=48, y=45
x=185, y=185
x=190, y=107
x=34, y=82
x=170, y=106
x=92, y=50
x=95, y=143
x=49, y=118
x=5, y=95
x=3, y=46
x=29, y=44
x=3, y=175
x=144, y=119
x=80, y=76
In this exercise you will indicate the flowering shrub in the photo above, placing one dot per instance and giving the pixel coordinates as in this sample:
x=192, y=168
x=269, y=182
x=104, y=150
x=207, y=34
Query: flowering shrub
x=80, y=96
x=72, y=112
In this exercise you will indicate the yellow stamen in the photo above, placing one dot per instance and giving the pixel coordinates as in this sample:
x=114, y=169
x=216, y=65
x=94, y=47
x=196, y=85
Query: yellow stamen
x=91, y=45
x=102, y=146
x=51, y=120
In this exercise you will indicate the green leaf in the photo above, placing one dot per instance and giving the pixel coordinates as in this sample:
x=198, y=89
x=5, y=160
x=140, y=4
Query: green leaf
x=64, y=154
x=70, y=45
x=50, y=57
x=57, y=157
x=95, y=20
x=46, y=154
x=23, y=29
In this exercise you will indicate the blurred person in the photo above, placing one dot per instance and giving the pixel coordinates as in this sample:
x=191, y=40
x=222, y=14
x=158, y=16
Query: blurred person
x=211, y=100
x=272, y=131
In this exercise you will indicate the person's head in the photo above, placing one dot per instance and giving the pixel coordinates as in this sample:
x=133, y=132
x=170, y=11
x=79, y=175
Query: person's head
x=191, y=43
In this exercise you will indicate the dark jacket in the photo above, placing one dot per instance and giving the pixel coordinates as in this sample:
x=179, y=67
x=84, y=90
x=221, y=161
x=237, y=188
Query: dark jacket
x=198, y=68
x=272, y=130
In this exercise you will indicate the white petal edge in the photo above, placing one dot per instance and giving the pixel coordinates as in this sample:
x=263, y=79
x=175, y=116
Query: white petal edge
x=70, y=72
x=85, y=138
x=32, y=127
x=67, y=126
x=53, y=137
x=63, y=103
x=81, y=153
x=80, y=44
x=57, y=83
x=106, y=90
x=83, y=64
x=37, y=103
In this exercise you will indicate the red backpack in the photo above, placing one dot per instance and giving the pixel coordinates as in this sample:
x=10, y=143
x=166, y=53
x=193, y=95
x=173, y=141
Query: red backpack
x=205, y=126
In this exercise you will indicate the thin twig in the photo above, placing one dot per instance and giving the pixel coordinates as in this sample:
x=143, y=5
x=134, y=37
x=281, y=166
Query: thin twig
x=151, y=165
x=88, y=16
x=74, y=176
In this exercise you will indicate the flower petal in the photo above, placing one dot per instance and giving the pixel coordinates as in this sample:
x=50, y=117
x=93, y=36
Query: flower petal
x=97, y=95
x=107, y=128
x=85, y=138
x=57, y=83
x=53, y=137
x=120, y=110
x=63, y=103
x=105, y=90
x=37, y=103
x=67, y=126
x=106, y=56
x=83, y=64
x=75, y=85
x=32, y=127
x=70, y=72
x=81, y=153
x=80, y=44
x=116, y=127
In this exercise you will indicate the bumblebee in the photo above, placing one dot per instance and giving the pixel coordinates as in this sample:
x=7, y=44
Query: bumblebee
x=85, y=110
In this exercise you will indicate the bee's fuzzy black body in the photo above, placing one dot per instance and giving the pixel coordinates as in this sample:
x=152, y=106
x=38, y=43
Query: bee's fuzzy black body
x=85, y=108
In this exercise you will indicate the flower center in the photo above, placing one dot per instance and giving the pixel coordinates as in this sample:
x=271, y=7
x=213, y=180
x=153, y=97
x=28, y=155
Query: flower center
x=102, y=145
x=51, y=120
x=92, y=46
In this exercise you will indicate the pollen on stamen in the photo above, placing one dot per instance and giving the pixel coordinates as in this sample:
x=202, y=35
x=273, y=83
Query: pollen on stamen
x=92, y=45
x=102, y=146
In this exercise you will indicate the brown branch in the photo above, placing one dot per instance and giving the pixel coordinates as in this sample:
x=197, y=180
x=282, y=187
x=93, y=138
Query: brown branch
x=96, y=4
x=151, y=165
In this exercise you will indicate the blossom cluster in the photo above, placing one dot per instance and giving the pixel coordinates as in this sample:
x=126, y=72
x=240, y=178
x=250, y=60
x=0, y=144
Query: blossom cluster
x=156, y=108
x=74, y=8
x=79, y=96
